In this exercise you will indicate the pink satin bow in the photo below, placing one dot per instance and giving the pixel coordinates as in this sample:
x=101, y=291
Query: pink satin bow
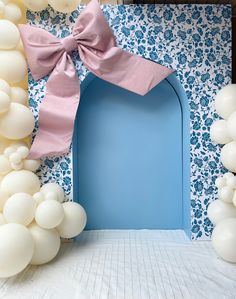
x=46, y=54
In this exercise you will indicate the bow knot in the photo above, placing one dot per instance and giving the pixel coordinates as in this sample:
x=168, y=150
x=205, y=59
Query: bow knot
x=47, y=55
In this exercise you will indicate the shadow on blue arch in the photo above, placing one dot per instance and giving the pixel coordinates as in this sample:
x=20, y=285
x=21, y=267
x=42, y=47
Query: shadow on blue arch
x=131, y=156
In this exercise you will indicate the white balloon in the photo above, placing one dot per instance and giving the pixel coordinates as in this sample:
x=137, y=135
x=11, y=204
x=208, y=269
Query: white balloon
x=220, y=182
x=226, y=194
x=53, y=188
x=49, y=214
x=231, y=123
x=5, y=87
x=22, y=181
x=16, y=249
x=219, y=132
x=19, y=95
x=64, y=6
x=9, y=35
x=47, y=244
x=38, y=197
x=20, y=208
x=219, y=210
x=15, y=158
x=17, y=123
x=31, y=165
x=3, y=198
x=2, y=9
x=35, y=5
x=231, y=182
x=5, y=102
x=228, y=175
x=4, y=143
x=12, y=13
x=224, y=239
x=225, y=102
x=228, y=156
x=5, y=166
x=23, y=151
x=5, y=1
x=17, y=166
x=2, y=219
x=13, y=66
x=20, y=47
x=74, y=220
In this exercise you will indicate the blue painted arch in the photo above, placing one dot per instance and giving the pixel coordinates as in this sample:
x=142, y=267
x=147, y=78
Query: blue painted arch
x=131, y=156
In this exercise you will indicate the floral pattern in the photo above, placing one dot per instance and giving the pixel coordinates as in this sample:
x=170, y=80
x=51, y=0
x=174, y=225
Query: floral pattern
x=193, y=39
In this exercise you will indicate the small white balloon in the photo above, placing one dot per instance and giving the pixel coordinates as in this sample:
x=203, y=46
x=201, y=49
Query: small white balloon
x=17, y=123
x=16, y=249
x=228, y=175
x=228, y=156
x=2, y=219
x=47, y=244
x=13, y=66
x=5, y=87
x=15, y=158
x=23, y=151
x=53, y=188
x=231, y=123
x=226, y=194
x=224, y=239
x=22, y=181
x=219, y=210
x=5, y=166
x=219, y=132
x=9, y=35
x=225, y=102
x=220, y=182
x=49, y=214
x=19, y=95
x=231, y=182
x=74, y=220
x=5, y=102
x=31, y=165
x=20, y=208
x=3, y=198
x=12, y=13
x=38, y=197
x=35, y=5
x=17, y=166
x=51, y=196
x=64, y=6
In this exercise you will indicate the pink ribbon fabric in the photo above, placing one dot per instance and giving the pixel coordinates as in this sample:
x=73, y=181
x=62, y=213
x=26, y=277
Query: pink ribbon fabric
x=46, y=54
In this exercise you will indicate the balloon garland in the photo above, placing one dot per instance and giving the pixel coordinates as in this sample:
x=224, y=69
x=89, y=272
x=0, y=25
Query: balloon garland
x=64, y=6
x=33, y=218
x=222, y=212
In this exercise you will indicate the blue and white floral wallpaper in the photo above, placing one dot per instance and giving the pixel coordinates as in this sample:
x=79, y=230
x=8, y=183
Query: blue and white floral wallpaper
x=193, y=39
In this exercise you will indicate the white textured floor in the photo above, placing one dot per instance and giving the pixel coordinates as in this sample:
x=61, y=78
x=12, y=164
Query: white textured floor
x=128, y=264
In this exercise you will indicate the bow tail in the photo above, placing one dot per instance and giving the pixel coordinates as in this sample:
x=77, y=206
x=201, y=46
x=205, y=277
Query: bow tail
x=57, y=111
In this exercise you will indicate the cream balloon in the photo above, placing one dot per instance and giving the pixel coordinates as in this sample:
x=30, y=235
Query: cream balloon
x=5, y=87
x=226, y=194
x=5, y=102
x=2, y=219
x=74, y=220
x=3, y=198
x=47, y=244
x=15, y=158
x=22, y=181
x=49, y=214
x=228, y=156
x=9, y=35
x=224, y=239
x=219, y=132
x=31, y=165
x=219, y=210
x=12, y=13
x=225, y=102
x=35, y=5
x=64, y=6
x=23, y=151
x=19, y=95
x=20, y=208
x=51, y=188
x=231, y=182
x=220, y=182
x=231, y=123
x=38, y=197
x=5, y=166
x=13, y=66
x=16, y=249
x=17, y=123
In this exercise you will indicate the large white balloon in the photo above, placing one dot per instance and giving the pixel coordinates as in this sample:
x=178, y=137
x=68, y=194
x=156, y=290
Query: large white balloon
x=5, y=102
x=22, y=181
x=220, y=182
x=12, y=13
x=16, y=249
x=17, y=123
x=5, y=166
x=47, y=244
x=49, y=214
x=35, y=5
x=231, y=182
x=13, y=66
x=53, y=191
x=219, y=210
x=219, y=132
x=226, y=194
x=19, y=95
x=64, y=6
x=228, y=156
x=74, y=220
x=31, y=165
x=3, y=198
x=20, y=208
x=231, y=125
x=225, y=102
x=5, y=87
x=224, y=239
x=9, y=35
